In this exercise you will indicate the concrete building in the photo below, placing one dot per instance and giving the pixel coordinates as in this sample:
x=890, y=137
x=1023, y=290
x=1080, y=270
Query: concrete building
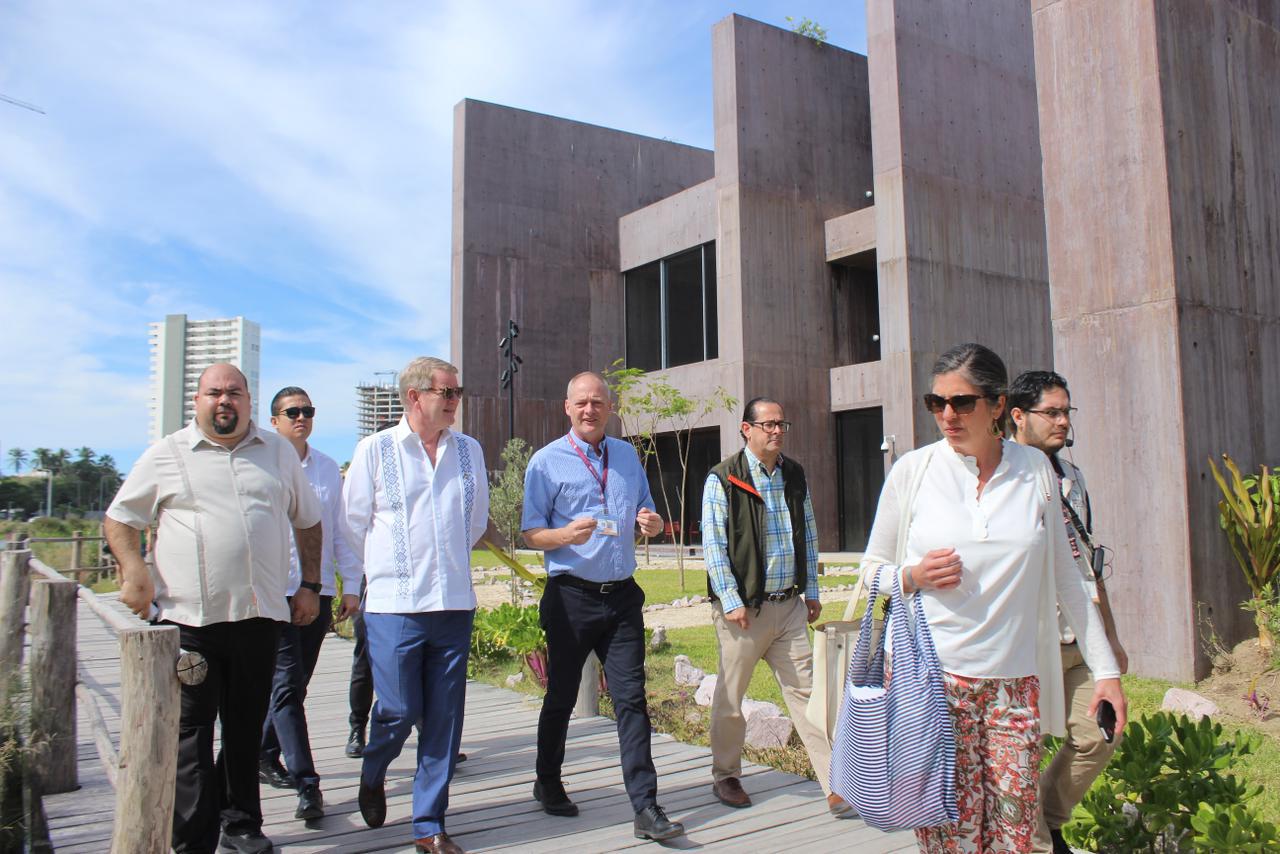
x=181, y=349
x=376, y=403
x=1164, y=253
x=860, y=215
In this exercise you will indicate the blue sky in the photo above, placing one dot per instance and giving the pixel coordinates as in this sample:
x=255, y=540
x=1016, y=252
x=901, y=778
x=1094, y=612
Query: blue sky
x=287, y=161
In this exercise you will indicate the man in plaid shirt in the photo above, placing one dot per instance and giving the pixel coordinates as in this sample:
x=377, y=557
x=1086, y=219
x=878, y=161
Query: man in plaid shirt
x=760, y=544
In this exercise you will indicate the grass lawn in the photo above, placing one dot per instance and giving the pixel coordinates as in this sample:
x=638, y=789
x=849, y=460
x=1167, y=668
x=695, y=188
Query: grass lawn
x=663, y=585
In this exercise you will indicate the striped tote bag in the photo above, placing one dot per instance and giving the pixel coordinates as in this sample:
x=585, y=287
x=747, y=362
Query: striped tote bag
x=894, y=753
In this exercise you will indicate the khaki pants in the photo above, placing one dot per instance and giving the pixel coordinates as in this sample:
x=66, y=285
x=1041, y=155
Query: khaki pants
x=1082, y=756
x=778, y=635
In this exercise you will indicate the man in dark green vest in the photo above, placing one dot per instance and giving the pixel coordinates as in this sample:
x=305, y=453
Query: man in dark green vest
x=761, y=548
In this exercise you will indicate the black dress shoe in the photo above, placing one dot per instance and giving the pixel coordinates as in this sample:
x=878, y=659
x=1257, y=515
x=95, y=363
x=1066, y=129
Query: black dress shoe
x=373, y=804
x=1060, y=845
x=462, y=757
x=245, y=842
x=652, y=823
x=271, y=772
x=553, y=799
x=310, y=803
x=355, y=742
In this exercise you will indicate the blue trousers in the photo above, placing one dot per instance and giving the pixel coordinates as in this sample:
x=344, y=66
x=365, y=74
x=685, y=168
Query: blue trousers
x=285, y=730
x=420, y=677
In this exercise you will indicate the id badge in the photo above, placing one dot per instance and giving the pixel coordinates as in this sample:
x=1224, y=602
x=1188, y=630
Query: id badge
x=607, y=526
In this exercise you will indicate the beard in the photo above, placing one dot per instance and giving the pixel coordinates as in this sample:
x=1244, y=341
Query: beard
x=226, y=428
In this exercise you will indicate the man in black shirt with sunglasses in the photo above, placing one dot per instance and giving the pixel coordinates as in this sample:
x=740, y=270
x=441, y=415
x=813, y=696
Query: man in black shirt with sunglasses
x=1040, y=406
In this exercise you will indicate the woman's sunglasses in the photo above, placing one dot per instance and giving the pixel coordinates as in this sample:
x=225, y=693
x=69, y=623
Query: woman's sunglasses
x=961, y=404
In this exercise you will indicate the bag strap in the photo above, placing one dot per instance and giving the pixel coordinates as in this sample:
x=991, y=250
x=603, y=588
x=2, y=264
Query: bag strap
x=857, y=594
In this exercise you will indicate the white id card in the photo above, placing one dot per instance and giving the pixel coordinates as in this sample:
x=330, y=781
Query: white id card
x=607, y=525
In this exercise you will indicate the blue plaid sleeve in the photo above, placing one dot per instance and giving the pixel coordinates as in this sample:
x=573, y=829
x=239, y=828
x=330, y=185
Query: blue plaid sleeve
x=810, y=549
x=715, y=544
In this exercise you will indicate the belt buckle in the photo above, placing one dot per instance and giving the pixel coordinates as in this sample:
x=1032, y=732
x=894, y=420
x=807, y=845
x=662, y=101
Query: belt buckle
x=779, y=596
x=607, y=586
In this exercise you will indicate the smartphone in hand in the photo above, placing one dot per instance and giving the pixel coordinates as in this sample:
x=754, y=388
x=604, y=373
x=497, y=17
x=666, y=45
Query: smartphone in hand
x=1106, y=717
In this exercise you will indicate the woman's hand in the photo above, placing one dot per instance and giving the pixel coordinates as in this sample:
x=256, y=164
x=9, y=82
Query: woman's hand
x=1110, y=690
x=939, y=570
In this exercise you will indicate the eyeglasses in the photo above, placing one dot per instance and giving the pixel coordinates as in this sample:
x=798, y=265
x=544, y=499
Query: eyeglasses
x=772, y=426
x=294, y=411
x=1055, y=414
x=961, y=404
x=446, y=393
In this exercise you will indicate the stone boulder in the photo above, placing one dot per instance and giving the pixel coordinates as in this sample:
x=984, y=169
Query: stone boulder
x=686, y=673
x=1180, y=701
x=515, y=679
x=659, y=639
x=706, y=690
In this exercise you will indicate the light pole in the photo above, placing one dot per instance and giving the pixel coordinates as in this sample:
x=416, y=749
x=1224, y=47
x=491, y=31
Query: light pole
x=507, y=346
x=48, y=492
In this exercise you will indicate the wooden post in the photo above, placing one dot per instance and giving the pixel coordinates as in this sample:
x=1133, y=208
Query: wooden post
x=53, y=684
x=14, y=589
x=588, y=705
x=77, y=544
x=148, y=740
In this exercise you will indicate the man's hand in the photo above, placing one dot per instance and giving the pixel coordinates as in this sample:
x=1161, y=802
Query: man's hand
x=350, y=605
x=738, y=616
x=578, y=531
x=650, y=523
x=939, y=570
x=137, y=591
x=1110, y=690
x=815, y=608
x=306, y=606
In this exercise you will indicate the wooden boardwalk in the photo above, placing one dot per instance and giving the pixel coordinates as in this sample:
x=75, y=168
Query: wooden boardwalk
x=491, y=807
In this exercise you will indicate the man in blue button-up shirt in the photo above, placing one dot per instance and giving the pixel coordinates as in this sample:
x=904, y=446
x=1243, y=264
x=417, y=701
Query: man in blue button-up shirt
x=585, y=496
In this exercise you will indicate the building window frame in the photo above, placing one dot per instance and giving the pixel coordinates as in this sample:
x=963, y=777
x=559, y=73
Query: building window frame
x=709, y=309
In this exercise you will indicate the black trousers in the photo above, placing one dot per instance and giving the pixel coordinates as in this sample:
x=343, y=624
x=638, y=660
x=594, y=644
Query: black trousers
x=611, y=624
x=285, y=731
x=360, y=695
x=211, y=795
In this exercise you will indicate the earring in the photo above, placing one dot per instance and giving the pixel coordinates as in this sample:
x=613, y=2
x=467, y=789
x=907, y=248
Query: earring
x=995, y=428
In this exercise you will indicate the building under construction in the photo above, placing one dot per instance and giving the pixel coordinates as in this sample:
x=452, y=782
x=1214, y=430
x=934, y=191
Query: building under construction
x=376, y=403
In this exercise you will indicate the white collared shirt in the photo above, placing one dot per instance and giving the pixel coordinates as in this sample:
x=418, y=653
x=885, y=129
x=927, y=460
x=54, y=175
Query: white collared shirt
x=335, y=557
x=413, y=523
x=225, y=523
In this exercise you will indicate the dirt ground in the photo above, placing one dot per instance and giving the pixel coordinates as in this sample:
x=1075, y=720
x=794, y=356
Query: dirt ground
x=1232, y=682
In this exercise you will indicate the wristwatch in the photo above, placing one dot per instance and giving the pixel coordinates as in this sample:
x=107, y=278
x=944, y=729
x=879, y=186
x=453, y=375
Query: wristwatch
x=313, y=586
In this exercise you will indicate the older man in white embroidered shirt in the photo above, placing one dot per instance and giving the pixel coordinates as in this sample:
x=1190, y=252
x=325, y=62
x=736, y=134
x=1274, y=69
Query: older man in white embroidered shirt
x=416, y=500
x=226, y=496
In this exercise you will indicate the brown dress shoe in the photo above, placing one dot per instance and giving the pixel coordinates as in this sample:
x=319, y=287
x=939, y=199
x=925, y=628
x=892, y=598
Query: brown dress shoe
x=730, y=793
x=838, y=806
x=438, y=844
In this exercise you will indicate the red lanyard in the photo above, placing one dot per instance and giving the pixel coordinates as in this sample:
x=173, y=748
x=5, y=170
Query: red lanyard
x=601, y=481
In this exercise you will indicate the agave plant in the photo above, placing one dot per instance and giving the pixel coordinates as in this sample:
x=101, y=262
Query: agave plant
x=1249, y=513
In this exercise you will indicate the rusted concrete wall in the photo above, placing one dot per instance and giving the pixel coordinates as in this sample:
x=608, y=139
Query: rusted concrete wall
x=960, y=222
x=536, y=204
x=793, y=150
x=1161, y=137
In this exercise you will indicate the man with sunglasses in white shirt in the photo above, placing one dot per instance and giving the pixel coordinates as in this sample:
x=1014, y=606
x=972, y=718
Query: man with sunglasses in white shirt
x=416, y=500
x=285, y=734
x=1040, y=405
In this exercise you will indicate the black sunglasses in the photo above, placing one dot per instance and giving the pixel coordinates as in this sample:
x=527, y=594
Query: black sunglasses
x=961, y=404
x=447, y=393
x=295, y=411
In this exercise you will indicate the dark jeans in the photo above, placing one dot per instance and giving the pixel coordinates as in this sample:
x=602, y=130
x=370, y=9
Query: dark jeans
x=360, y=696
x=285, y=730
x=577, y=622
x=223, y=793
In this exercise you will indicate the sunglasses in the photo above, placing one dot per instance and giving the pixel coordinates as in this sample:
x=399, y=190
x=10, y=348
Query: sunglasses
x=446, y=393
x=961, y=404
x=294, y=411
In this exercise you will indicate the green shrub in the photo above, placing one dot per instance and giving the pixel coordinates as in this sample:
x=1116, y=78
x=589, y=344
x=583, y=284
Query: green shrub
x=1164, y=776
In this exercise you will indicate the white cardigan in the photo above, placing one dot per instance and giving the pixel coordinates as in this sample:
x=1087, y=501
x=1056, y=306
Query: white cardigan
x=887, y=549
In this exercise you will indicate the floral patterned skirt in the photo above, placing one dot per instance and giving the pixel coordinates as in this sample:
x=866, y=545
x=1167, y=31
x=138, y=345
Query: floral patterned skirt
x=997, y=729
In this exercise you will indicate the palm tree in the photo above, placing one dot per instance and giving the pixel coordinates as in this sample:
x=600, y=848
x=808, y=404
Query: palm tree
x=59, y=460
x=42, y=457
x=19, y=457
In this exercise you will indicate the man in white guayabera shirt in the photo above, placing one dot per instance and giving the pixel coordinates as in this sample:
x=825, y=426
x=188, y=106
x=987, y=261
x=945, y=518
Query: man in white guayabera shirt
x=1040, y=405
x=225, y=495
x=416, y=500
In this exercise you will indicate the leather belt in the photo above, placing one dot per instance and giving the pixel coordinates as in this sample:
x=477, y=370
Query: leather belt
x=603, y=588
x=782, y=595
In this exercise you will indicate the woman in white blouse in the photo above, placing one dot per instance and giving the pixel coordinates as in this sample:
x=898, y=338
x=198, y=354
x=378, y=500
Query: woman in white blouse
x=984, y=544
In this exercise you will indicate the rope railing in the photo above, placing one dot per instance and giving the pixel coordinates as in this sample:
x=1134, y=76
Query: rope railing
x=143, y=767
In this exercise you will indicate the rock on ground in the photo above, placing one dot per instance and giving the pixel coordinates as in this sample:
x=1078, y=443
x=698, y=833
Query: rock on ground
x=686, y=673
x=1189, y=703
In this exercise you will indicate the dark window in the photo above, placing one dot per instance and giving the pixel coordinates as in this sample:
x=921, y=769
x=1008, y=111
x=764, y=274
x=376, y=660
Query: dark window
x=671, y=310
x=860, y=473
x=703, y=449
x=856, y=307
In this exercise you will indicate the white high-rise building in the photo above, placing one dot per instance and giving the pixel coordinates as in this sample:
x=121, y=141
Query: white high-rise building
x=376, y=403
x=181, y=349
